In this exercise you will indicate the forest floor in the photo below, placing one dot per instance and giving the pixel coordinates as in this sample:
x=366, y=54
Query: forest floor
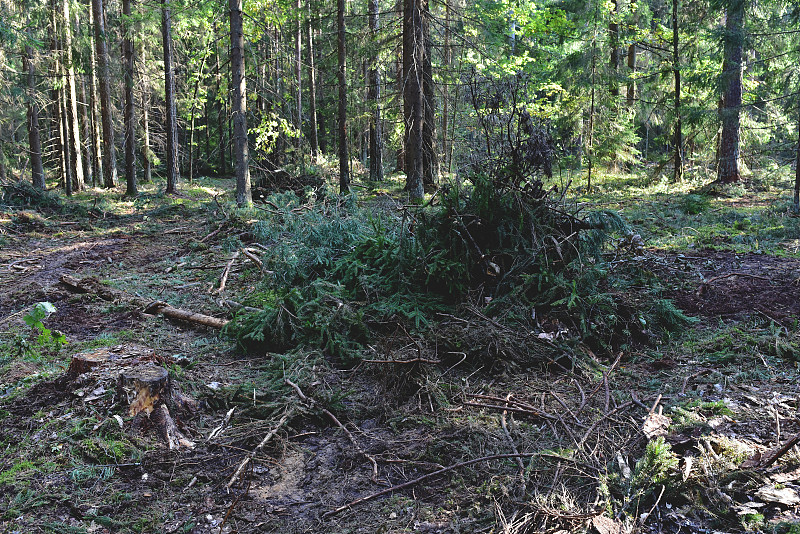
x=548, y=448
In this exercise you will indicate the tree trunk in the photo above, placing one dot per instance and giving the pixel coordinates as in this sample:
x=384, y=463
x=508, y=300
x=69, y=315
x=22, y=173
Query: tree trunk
x=613, y=40
x=109, y=150
x=374, y=100
x=590, y=147
x=76, y=159
x=169, y=99
x=97, y=164
x=413, y=98
x=60, y=114
x=86, y=134
x=298, y=72
x=220, y=118
x=797, y=169
x=312, y=95
x=147, y=176
x=446, y=61
x=242, y=170
x=732, y=94
x=676, y=69
x=65, y=148
x=3, y=171
x=344, y=154
x=630, y=95
x=430, y=157
x=58, y=133
x=192, y=153
x=34, y=141
x=400, y=153
x=130, y=121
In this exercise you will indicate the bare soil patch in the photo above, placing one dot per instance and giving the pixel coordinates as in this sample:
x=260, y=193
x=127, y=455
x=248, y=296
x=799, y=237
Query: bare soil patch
x=731, y=285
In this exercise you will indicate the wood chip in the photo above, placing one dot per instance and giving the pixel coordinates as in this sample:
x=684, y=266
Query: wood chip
x=655, y=425
x=785, y=496
x=605, y=525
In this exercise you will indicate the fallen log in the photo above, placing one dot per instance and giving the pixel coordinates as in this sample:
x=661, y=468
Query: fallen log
x=94, y=286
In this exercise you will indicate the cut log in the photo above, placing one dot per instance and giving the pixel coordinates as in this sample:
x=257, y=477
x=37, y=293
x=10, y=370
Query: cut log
x=183, y=315
x=145, y=386
x=94, y=286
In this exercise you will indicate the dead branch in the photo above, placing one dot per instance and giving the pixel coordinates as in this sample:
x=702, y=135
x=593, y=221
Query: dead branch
x=221, y=427
x=426, y=477
x=223, y=279
x=210, y=235
x=772, y=456
x=255, y=259
x=601, y=419
x=92, y=285
x=288, y=415
x=312, y=403
x=523, y=411
x=513, y=445
x=405, y=362
x=729, y=275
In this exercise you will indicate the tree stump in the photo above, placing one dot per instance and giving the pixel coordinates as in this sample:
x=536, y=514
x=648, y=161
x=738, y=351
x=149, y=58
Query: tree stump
x=145, y=387
x=85, y=362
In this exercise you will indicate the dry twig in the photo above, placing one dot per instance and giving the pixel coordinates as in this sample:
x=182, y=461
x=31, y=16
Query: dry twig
x=423, y=478
x=223, y=279
x=288, y=415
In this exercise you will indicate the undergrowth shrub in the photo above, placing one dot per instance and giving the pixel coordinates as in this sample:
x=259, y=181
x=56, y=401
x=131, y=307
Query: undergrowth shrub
x=22, y=194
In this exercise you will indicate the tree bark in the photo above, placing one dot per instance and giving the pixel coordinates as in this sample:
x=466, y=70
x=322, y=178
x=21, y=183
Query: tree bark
x=75, y=156
x=732, y=95
x=676, y=69
x=109, y=150
x=34, y=140
x=374, y=100
x=413, y=98
x=239, y=111
x=430, y=157
x=312, y=94
x=169, y=99
x=130, y=121
x=344, y=153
